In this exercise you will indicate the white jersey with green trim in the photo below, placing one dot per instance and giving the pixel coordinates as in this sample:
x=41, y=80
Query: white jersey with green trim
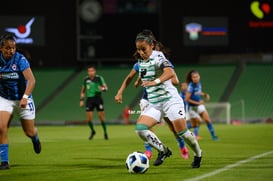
x=151, y=69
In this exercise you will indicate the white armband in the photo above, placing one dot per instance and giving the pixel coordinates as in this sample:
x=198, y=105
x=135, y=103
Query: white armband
x=157, y=81
x=25, y=96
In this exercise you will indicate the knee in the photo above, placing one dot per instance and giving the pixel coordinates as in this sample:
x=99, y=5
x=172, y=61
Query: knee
x=140, y=128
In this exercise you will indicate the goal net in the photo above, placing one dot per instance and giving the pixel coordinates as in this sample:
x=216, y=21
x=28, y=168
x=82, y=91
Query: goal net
x=219, y=112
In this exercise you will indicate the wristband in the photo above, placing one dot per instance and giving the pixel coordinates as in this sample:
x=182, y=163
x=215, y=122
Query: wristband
x=25, y=96
x=157, y=81
x=81, y=99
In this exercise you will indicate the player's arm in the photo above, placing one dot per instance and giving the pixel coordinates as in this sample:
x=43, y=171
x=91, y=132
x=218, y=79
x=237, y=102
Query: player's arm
x=206, y=95
x=103, y=87
x=137, y=82
x=175, y=80
x=168, y=73
x=82, y=95
x=29, y=87
x=128, y=79
x=190, y=101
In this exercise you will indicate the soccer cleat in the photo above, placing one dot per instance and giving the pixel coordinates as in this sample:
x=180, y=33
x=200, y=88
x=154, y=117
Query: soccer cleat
x=37, y=146
x=4, y=166
x=92, y=135
x=105, y=136
x=184, y=153
x=215, y=138
x=162, y=156
x=196, y=162
x=149, y=154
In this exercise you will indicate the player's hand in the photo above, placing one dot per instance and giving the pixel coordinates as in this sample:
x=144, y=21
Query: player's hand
x=136, y=84
x=207, y=97
x=23, y=103
x=148, y=83
x=118, y=98
x=81, y=103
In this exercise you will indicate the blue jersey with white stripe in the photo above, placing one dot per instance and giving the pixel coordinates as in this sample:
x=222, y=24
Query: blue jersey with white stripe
x=195, y=89
x=12, y=80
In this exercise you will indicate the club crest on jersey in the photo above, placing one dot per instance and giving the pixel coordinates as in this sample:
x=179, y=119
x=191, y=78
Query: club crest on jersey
x=13, y=67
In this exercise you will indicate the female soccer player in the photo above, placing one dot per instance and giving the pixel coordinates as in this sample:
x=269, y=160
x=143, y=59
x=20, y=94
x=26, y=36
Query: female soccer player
x=156, y=72
x=16, y=85
x=193, y=119
x=144, y=101
x=196, y=104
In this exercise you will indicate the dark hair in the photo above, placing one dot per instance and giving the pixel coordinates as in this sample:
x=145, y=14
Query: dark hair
x=189, y=74
x=148, y=36
x=5, y=37
x=91, y=66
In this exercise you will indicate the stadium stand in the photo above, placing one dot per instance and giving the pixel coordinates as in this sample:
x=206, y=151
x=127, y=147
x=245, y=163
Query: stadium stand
x=57, y=91
x=252, y=98
x=65, y=106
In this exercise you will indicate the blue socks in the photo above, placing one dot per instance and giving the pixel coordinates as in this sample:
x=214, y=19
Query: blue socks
x=189, y=124
x=196, y=131
x=147, y=146
x=4, y=152
x=211, y=129
x=181, y=142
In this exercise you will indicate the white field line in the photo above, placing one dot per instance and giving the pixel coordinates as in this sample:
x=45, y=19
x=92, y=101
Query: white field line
x=228, y=167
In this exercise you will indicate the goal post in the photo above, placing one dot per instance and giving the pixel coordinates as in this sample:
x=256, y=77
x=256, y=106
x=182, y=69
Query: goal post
x=219, y=111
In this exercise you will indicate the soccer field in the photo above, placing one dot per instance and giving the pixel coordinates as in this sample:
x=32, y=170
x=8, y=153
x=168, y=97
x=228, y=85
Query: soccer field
x=244, y=152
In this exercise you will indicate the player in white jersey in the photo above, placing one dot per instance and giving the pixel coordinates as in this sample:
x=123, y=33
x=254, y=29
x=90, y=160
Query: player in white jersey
x=144, y=100
x=164, y=101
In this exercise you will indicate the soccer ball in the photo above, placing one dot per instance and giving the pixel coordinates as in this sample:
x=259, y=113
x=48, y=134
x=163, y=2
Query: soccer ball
x=137, y=162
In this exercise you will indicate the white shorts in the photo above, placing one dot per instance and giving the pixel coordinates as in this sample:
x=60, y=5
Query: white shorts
x=193, y=114
x=10, y=106
x=143, y=104
x=199, y=109
x=172, y=109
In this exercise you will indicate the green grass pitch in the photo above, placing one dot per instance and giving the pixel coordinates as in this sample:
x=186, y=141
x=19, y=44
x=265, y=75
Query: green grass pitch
x=67, y=154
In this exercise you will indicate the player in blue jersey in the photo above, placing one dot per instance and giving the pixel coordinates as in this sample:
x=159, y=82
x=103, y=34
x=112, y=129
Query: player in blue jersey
x=194, y=96
x=193, y=119
x=16, y=85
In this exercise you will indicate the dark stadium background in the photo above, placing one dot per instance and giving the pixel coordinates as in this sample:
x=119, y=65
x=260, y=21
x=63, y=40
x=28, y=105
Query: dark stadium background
x=236, y=70
x=116, y=29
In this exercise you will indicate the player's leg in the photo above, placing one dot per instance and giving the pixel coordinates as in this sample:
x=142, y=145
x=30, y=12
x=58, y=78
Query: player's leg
x=149, y=118
x=6, y=111
x=143, y=103
x=32, y=132
x=27, y=116
x=89, y=108
x=195, y=122
x=190, y=139
x=100, y=109
x=176, y=113
x=204, y=114
x=89, y=117
x=103, y=124
x=4, y=145
x=148, y=150
x=182, y=147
